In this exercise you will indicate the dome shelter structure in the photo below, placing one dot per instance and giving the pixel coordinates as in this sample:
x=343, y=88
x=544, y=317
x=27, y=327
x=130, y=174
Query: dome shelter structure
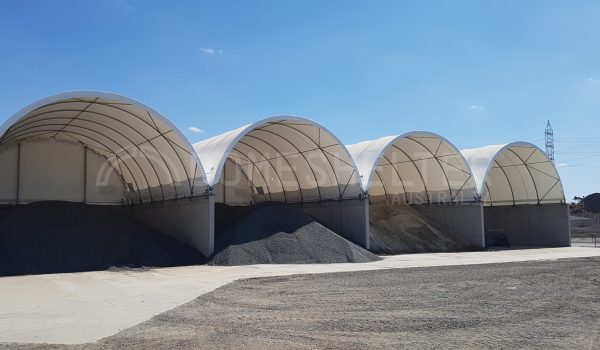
x=426, y=172
x=105, y=149
x=287, y=160
x=101, y=148
x=522, y=195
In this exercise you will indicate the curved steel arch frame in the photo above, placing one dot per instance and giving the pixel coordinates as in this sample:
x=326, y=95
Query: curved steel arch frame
x=461, y=216
x=214, y=152
x=74, y=96
x=524, y=215
x=483, y=160
x=368, y=154
x=158, y=156
x=335, y=198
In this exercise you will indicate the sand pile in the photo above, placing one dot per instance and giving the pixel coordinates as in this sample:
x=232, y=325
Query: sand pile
x=53, y=237
x=401, y=229
x=281, y=234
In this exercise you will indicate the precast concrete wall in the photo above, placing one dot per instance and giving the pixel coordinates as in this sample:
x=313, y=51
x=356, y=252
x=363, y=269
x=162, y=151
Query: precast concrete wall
x=348, y=218
x=545, y=225
x=462, y=222
x=190, y=221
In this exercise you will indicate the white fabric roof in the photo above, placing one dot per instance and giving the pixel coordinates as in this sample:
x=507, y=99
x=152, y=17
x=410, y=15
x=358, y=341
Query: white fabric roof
x=416, y=167
x=291, y=159
x=514, y=173
x=154, y=160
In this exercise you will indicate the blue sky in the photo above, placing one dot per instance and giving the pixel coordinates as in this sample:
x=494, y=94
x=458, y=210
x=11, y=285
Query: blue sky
x=477, y=72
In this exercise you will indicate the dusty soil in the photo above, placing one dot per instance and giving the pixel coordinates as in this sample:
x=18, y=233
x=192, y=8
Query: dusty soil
x=535, y=305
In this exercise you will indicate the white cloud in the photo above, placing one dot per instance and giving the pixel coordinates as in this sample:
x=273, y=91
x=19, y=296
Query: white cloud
x=476, y=108
x=195, y=129
x=561, y=165
x=594, y=80
x=210, y=51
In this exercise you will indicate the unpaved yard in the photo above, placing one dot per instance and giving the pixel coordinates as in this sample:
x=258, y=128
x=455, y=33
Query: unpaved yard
x=552, y=304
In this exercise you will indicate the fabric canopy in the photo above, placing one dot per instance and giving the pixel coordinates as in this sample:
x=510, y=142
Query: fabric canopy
x=286, y=159
x=515, y=173
x=416, y=167
x=153, y=159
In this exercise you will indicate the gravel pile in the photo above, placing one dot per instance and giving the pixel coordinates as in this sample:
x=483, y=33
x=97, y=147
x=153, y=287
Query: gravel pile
x=401, y=229
x=55, y=237
x=281, y=234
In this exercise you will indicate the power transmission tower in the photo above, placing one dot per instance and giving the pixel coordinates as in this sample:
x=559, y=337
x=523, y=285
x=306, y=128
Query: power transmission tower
x=549, y=142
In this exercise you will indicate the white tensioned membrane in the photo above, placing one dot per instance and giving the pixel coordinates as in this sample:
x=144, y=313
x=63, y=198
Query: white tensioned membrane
x=284, y=159
x=515, y=173
x=152, y=158
x=414, y=168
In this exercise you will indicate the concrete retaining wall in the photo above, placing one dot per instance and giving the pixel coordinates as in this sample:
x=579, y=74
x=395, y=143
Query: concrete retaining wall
x=463, y=223
x=347, y=218
x=546, y=225
x=189, y=221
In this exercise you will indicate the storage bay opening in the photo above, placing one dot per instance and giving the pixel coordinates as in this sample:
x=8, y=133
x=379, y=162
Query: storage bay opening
x=422, y=195
x=286, y=161
x=98, y=148
x=522, y=195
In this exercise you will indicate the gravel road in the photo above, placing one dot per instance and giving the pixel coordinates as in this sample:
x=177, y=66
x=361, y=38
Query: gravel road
x=536, y=305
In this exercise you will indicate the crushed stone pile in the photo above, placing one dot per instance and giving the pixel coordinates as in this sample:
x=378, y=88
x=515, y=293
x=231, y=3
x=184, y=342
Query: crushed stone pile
x=402, y=229
x=56, y=237
x=280, y=234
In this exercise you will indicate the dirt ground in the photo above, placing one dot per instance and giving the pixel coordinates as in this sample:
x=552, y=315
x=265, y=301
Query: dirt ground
x=538, y=305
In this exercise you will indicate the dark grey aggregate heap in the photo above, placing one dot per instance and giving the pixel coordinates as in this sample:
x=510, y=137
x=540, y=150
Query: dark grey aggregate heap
x=280, y=234
x=55, y=237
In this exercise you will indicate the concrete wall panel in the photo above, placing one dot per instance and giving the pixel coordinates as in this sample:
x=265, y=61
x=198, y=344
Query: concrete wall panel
x=463, y=223
x=189, y=221
x=347, y=218
x=546, y=225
